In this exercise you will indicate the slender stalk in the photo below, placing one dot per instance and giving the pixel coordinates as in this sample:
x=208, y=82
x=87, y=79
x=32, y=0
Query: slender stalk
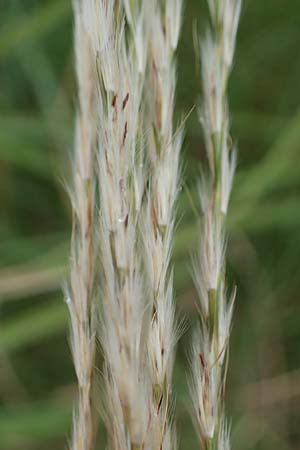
x=80, y=299
x=209, y=360
x=158, y=227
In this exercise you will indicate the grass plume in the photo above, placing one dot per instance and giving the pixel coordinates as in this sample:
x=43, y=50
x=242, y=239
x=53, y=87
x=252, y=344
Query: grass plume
x=80, y=298
x=210, y=340
x=159, y=213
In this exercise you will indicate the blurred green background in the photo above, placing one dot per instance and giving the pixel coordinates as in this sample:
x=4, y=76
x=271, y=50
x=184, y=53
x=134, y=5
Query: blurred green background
x=37, y=98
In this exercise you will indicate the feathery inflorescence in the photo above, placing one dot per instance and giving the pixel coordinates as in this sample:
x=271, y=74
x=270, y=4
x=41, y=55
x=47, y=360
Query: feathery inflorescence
x=126, y=76
x=210, y=340
x=121, y=68
x=80, y=295
x=163, y=149
x=113, y=113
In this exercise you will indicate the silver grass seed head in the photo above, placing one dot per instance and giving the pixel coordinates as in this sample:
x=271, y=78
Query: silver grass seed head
x=225, y=16
x=173, y=21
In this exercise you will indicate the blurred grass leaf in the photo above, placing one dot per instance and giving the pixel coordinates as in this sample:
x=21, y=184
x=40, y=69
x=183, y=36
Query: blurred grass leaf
x=33, y=423
x=26, y=27
x=33, y=325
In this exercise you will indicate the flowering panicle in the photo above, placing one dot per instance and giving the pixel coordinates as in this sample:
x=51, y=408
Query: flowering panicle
x=163, y=149
x=121, y=72
x=210, y=340
x=80, y=298
x=127, y=171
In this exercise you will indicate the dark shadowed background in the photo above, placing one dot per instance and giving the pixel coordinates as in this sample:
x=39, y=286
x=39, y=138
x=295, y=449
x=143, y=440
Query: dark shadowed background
x=37, y=99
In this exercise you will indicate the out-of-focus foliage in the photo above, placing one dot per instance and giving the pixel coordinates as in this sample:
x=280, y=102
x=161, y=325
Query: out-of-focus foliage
x=37, y=100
